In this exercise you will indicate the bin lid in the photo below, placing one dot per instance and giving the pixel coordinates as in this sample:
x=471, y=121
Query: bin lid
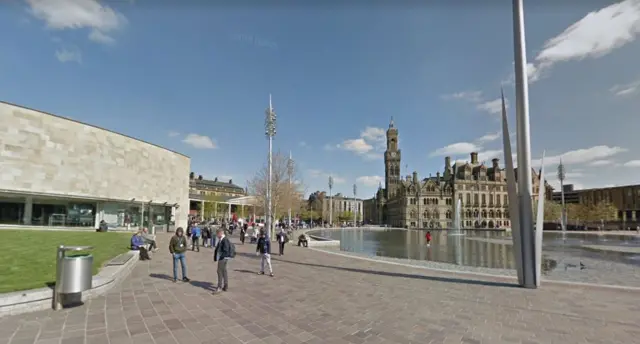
x=75, y=248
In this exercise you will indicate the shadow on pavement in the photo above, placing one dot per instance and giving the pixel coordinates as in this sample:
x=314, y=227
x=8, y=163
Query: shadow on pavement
x=396, y=274
x=204, y=285
x=245, y=271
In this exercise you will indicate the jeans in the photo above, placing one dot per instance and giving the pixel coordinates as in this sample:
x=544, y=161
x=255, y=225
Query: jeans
x=183, y=263
x=281, y=247
x=195, y=243
x=266, y=260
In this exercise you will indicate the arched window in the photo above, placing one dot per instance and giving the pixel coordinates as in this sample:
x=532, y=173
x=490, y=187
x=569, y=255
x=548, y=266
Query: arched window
x=484, y=214
x=491, y=213
x=499, y=214
x=448, y=214
x=427, y=215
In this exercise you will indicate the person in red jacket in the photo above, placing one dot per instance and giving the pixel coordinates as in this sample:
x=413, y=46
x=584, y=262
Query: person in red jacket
x=427, y=237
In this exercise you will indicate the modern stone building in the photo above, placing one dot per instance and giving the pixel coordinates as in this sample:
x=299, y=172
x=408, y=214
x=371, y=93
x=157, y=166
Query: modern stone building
x=341, y=205
x=412, y=202
x=625, y=198
x=55, y=171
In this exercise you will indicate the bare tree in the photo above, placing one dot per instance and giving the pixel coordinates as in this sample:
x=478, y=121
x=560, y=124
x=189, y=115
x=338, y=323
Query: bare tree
x=283, y=196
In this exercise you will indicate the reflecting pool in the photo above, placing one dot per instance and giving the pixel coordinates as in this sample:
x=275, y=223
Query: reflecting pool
x=485, y=249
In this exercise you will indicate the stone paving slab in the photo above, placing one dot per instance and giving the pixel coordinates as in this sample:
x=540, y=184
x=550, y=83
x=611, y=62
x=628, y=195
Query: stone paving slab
x=322, y=298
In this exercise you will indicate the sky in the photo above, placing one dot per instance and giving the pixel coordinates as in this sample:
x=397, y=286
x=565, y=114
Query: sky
x=195, y=76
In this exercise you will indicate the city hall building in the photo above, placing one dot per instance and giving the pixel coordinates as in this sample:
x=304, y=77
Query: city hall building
x=58, y=172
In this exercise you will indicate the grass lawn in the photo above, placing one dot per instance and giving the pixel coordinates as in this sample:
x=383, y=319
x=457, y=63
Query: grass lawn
x=28, y=257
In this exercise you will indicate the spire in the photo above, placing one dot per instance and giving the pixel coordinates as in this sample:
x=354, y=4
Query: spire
x=270, y=106
x=290, y=156
x=391, y=123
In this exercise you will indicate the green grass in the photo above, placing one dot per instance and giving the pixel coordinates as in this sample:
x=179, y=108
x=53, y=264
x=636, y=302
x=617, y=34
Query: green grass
x=28, y=257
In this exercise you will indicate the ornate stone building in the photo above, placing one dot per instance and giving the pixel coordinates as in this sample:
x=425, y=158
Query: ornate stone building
x=411, y=202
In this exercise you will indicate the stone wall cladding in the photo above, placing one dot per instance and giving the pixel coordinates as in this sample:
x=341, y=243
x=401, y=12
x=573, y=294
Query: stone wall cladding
x=43, y=153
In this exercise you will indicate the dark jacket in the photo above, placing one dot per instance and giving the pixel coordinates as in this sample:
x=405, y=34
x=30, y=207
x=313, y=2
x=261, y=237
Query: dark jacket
x=264, y=246
x=174, y=244
x=223, y=249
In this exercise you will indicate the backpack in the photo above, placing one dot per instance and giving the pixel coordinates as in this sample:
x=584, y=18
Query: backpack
x=232, y=250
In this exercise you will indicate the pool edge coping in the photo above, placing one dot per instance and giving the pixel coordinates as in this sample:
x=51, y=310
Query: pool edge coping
x=481, y=274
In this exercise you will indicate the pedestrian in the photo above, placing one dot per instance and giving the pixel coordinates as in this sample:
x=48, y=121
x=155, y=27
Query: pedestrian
x=177, y=248
x=282, y=239
x=196, y=232
x=264, y=250
x=224, y=251
x=428, y=238
x=243, y=233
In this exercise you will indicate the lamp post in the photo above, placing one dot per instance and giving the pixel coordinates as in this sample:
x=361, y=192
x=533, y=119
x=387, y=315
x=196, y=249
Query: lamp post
x=355, y=206
x=563, y=215
x=330, y=202
x=270, y=132
x=290, y=175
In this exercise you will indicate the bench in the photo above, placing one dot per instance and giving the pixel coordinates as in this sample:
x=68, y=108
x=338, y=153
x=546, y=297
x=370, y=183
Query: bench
x=121, y=259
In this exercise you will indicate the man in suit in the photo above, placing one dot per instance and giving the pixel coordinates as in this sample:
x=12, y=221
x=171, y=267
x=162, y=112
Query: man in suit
x=222, y=254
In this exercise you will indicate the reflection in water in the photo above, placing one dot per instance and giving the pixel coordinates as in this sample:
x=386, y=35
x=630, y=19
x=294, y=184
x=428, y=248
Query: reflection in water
x=490, y=249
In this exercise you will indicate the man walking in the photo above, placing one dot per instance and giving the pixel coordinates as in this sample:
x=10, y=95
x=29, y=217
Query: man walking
x=195, y=242
x=264, y=249
x=282, y=239
x=223, y=252
x=177, y=248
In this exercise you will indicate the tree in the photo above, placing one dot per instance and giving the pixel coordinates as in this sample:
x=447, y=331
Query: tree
x=283, y=195
x=345, y=216
x=601, y=211
x=552, y=211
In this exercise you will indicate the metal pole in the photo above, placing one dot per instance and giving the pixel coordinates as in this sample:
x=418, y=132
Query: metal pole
x=330, y=202
x=524, y=146
x=563, y=216
x=355, y=206
x=270, y=132
x=290, y=173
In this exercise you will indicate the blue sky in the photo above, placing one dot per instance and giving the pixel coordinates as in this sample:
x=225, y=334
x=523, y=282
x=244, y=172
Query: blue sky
x=195, y=76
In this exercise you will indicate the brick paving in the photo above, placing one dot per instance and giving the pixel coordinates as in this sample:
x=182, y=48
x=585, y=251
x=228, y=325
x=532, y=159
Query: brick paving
x=317, y=297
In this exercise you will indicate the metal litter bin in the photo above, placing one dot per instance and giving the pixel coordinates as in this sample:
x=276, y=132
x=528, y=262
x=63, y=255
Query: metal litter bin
x=73, y=274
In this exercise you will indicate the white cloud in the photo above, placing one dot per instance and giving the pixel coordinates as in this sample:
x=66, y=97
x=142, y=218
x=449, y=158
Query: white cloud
x=313, y=173
x=200, y=141
x=601, y=163
x=632, y=163
x=174, y=134
x=490, y=137
x=581, y=156
x=370, y=181
x=369, y=145
x=99, y=37
x=79, y=14
x=625, y=89
x=470, y=96
x=65, y=55
x=493, y=107
x=459, y=148
x=358, y=146
x=594, y=36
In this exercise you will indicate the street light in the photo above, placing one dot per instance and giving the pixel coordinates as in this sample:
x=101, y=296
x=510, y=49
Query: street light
x=330, y=202
x=355, y=206
x=270, y=132
x=561, y=177
x=290, y=175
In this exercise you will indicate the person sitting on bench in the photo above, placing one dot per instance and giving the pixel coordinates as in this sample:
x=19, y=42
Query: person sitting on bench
x=148, y=239
x=137, y=244
x=302, y=241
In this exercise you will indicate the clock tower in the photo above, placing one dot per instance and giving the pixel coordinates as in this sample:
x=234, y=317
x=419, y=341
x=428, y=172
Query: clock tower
x=392, y=162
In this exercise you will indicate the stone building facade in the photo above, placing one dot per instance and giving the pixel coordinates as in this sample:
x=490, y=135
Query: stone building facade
x=414, y=202
x=55, y=171
x=341, y=205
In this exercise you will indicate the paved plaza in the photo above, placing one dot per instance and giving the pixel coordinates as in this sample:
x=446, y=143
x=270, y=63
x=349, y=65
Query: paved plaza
x=318, y=297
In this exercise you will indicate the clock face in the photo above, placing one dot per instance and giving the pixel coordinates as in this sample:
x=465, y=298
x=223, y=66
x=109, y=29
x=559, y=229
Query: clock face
x=393, y=154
